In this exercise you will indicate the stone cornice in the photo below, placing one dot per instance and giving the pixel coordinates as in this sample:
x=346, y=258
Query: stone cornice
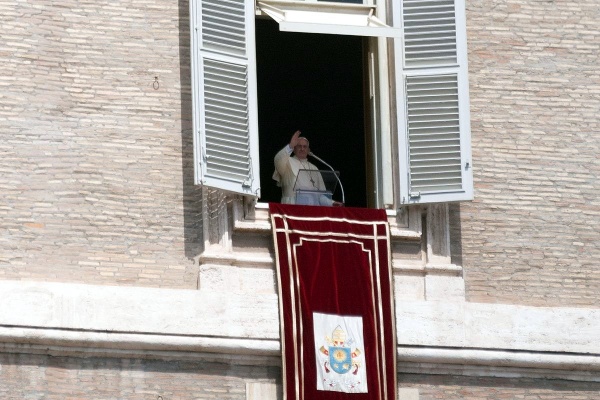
x=244, y=351
x=433, y=336
x=498, y=363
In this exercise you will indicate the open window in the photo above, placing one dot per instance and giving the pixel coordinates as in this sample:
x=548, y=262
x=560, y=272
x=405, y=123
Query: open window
x=431, y=96
x=315, y=83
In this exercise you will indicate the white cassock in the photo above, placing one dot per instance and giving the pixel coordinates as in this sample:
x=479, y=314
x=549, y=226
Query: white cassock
x=286, y=175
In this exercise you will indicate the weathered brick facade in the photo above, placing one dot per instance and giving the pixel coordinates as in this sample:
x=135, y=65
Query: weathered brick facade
x=96, y=166
x=473, y=388
x=96, y=188
x=78, y=96
x=61, y=378
x=530, y=236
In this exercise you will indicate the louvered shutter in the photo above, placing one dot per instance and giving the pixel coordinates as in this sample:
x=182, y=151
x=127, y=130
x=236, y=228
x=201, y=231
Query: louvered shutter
x=433, y=99
x=224, y=95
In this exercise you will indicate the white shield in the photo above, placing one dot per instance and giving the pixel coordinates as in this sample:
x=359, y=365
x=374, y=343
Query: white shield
x=346, y=370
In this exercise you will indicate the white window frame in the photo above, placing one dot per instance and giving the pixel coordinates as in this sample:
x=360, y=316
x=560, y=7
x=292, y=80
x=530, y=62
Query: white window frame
x=368, y=2
x=403, y=73
x=327, y=18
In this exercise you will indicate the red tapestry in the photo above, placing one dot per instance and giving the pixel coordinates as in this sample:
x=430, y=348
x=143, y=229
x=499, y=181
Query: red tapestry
x=336, y=302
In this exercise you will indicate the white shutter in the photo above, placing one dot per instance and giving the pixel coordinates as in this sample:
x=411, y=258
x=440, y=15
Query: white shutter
x=224, y=95
x=433, y=102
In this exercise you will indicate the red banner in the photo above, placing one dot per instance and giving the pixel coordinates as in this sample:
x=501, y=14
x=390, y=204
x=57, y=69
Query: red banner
x=336, y=302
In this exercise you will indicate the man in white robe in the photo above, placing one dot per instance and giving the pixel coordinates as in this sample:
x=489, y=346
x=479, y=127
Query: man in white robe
x=288, y=166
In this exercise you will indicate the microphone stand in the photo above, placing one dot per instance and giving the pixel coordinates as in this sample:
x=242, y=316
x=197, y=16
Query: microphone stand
x=336, y=175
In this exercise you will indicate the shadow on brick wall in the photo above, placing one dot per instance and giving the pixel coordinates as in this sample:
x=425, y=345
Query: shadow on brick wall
x=192, y=194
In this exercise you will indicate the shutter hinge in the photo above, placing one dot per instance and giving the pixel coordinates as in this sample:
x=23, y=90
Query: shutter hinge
x=415, y=194
x=247, y=183
x=204, y=156
x=372, y=74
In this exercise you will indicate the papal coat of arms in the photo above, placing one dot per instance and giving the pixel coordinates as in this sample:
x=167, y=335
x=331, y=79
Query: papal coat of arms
x=340, y=357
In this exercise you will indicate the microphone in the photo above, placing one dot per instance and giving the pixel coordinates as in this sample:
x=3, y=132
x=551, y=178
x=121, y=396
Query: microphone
x=336, y=175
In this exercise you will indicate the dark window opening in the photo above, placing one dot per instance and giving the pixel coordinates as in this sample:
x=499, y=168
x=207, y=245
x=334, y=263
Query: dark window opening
x=314, y=83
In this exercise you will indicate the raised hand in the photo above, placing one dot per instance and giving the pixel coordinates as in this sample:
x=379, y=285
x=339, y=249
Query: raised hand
x=295, y=139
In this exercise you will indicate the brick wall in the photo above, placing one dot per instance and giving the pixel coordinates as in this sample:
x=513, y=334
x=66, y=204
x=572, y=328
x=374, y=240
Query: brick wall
x=96, y=172
x=96, y=177
x=432, y=387
x=77, y=96
x=38, y=377
x=42, y=377
x=531, y=236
